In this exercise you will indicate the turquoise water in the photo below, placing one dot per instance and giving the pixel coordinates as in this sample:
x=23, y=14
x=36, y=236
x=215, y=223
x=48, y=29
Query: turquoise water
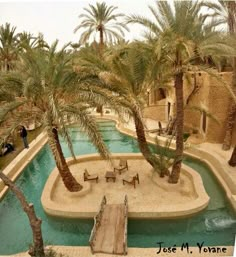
x=215, y=226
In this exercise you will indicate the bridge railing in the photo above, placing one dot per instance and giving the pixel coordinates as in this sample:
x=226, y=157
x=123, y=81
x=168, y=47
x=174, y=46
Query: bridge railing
x=97, y=222
x=126, y=225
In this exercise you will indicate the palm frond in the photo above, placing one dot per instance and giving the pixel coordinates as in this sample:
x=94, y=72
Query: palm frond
x=9, y=108
x=88, y=124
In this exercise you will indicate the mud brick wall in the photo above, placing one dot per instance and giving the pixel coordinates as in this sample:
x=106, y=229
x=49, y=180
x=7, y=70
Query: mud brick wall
x=156, y=112
x=218, y=104
x=211, y=95
x=192, y=117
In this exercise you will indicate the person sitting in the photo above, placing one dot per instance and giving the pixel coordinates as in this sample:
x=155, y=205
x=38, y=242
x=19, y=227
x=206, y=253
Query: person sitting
x=7, y=148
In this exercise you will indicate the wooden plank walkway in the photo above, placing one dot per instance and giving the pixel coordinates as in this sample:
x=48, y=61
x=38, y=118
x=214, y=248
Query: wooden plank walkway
x=109, y=238
x=110, y=232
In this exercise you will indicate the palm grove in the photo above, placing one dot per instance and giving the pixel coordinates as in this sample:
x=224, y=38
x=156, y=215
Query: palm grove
x=54, y=86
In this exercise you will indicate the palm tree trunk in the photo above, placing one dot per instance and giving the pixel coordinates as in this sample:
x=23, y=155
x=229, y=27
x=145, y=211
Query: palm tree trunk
x=101, y=44
x=69, y=181
x=174, y=176
x=142, y=142
x=37, y=249
x=100, y=109
x=232, y=161
x=231, y=114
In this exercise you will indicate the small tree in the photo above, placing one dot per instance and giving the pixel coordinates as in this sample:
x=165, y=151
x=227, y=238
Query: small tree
x=165, y=156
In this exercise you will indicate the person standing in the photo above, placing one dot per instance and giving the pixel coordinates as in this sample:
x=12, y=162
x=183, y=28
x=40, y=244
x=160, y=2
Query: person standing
x=23, y=134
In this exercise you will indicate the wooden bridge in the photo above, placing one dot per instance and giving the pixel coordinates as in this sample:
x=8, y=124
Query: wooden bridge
x=109, y=234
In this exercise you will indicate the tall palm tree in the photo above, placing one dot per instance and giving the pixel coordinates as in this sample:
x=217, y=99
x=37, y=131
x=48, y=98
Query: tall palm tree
x=37, y=249
x=26, y=39
x=47, y=80
x=40, y=42
x=127, y=72
x=181, y=32
x=8, y=47
x=225, y=11
x=102, y=19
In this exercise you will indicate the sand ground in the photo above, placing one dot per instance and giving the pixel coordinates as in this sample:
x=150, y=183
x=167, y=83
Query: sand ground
x=152, y=193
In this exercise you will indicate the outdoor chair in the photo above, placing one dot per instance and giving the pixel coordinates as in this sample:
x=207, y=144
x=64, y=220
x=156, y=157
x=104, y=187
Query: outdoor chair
x=122, y=166
x=131, y=180
x=90, y=177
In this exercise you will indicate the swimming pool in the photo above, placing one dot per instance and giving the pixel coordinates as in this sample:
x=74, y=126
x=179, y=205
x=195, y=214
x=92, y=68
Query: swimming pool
x=215, y=226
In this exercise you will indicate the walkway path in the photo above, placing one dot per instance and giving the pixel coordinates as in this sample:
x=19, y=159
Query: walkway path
x=73, y=251
x=222, y=156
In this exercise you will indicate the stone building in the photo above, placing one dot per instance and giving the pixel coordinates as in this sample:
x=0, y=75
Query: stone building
x=200, y=90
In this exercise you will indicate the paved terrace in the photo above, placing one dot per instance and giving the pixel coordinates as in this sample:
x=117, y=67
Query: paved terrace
x=72, y=251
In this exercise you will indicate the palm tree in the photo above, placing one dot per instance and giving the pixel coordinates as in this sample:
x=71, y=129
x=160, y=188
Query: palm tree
x=27, y=40
x=37, y=249
x=102, y=19
x=126, y=71
x=40, y=42
x=47, y=81
x=181, y=33
x=8, y=47
x=226, y=13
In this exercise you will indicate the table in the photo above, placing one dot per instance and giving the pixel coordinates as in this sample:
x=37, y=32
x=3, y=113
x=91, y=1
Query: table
x=110, y=175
